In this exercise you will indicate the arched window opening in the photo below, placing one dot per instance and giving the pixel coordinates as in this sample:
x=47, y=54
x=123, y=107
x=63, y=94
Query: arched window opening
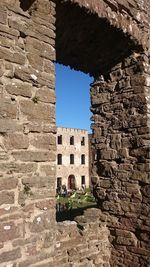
x=71, y=158
x=59, y=159
x=82, y=159
x=72, y=140
x=83, y=141
x=59, y=139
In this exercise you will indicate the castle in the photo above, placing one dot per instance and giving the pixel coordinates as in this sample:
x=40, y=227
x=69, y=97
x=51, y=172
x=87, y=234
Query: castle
x=72, y=158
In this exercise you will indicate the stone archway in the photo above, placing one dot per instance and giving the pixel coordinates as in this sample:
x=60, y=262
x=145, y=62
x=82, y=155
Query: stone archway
x=111, y=42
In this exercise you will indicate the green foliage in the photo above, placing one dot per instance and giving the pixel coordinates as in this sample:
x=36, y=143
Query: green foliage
x=77, y=200
x=35, y=99
x=88, y=190
x=27, y=190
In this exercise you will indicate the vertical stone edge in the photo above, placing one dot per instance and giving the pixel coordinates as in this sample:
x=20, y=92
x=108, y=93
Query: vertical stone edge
x=27, y=133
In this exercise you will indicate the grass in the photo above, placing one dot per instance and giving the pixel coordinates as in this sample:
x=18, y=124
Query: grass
x=76, y=203
x=77, y=200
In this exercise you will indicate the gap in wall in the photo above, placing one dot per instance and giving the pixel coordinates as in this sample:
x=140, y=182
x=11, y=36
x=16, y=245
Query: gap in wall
x=72, y=111
x=73, y=98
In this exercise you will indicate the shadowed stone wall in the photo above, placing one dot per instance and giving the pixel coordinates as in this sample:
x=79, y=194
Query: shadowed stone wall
x=131, y=16
x=121, y=138
x=97, y=37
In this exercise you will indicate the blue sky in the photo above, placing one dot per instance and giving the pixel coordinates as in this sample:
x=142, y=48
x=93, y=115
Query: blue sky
x=72, y=98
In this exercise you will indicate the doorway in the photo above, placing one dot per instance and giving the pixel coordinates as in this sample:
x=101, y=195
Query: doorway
x=71, y=182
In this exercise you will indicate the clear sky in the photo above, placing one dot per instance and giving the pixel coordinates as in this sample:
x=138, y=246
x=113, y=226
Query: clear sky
x=72, y=98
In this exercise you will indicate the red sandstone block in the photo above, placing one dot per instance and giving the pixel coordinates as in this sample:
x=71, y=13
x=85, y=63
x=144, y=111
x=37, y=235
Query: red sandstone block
x=8, y=183
x=38, y=181
x=7, y=43
x=8, y=108
x=8, y=231
x=42, y=222
x=47, y=169
x=108, y=154
x=139, y=251
x=10, y=167
x=35, y=60
x=137, y=80
x=46, y=95
x=8, y=32
x=140, y=176
x=3, y=14
x=7, y=197
x=35, y=46
x=36, y=194
x=143, y=130
x=37, y=259
x=33, y=156
x=37, y=111
x=49, y=66
x=15, y=57
x=46, y=204
x=19, y=88
x=10, y=255
x=7, y=210
x=49, y=263
x=126, y=241
x=43, y=141
x=16, y=141
x=8, y=125
x=47, y=79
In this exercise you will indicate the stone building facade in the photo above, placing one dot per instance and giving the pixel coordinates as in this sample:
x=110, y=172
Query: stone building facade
x=110, y=40
x=72, y=158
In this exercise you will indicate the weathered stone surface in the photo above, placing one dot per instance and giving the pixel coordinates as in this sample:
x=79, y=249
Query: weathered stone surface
x=33, y=76
x=43, y=141
x=26, y=50
x=35, y=61
x=109, y=40
x=8, y=232
x=38, y=182
x=44, y=50
x=126, y=238
x=42, y=222
x=11, y=167
x=8, y=183
x=36, y=111
x=46, y=95
x=21, y=89
x=13, y=57
x=49, y=66
x=33, y=156
x=3, y=15
x=11, y=255
x=7, y=197
x=122, y=158
x=108, y=154
x=47, y=169
x=16, y=141
x=8, y=108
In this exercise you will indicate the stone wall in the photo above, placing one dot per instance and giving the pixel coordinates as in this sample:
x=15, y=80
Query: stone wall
x=27, y=127
x=83, y=243
x=106, y=41
x=120, y=102
x=132, y=16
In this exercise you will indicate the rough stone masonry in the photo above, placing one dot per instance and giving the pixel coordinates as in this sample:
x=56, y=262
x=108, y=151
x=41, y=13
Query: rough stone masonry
x=110, y=40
